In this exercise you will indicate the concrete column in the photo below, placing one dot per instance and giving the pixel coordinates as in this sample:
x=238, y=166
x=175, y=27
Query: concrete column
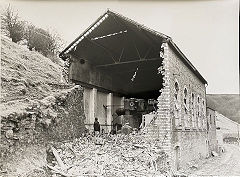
x=122, y=101
x=93, y=105
x=109, y=111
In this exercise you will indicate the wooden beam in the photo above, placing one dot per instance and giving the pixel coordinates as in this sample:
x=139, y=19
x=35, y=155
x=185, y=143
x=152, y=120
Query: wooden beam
x=127, y=62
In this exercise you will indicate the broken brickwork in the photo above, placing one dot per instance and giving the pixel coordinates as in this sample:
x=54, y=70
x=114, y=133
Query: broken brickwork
x=180, y=125
x=160, y=129
x=55, y=118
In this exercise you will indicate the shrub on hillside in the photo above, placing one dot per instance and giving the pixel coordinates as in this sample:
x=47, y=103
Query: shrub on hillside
x=41, y=40
x=12, y=26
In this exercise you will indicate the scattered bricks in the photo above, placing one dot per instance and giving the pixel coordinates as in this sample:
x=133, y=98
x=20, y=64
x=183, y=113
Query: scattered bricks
x=9, y=134
x=21, y=90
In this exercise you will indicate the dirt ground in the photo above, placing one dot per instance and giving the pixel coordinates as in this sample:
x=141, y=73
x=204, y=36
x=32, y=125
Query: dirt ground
x=227, y=164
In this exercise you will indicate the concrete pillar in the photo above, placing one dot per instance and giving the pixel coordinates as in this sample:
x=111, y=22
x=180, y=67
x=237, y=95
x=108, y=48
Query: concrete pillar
x=0, y=94
x=92, y=105
x=109, y=111
x=122, y=101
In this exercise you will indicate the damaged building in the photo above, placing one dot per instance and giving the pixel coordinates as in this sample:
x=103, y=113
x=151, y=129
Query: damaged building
x=132, y=74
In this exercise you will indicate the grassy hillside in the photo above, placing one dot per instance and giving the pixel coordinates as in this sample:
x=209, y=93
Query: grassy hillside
x=25, y=76
x=226, y=104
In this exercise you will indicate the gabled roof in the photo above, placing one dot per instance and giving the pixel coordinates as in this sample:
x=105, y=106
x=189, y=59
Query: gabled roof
x=104, y=43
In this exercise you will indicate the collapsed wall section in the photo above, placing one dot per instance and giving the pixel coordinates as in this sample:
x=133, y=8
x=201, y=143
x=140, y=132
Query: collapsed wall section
x=159, y=130
x=57, y=117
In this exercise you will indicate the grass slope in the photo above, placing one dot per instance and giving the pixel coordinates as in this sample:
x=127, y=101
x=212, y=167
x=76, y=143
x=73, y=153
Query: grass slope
x=25, y=76
x=226, y=104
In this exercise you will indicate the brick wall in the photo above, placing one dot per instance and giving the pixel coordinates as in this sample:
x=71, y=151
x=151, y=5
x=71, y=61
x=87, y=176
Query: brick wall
x=160, y=129
x=187, y=112
x=180, y=126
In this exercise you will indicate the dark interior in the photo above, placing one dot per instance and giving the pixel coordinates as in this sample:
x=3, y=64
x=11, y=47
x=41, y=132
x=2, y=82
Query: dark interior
x=128, y=52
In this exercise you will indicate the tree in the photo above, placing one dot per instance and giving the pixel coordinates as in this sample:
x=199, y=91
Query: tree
x=56, y=43
x=43, y=41
x=37, y=38
x=12, y=26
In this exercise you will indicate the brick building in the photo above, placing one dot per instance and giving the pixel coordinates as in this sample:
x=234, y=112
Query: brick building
x=226, y=128
x=117, y=58
x=211, y=130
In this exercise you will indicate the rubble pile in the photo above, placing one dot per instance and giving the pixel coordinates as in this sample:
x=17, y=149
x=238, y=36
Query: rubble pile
x=57, y=117
x=111, y=155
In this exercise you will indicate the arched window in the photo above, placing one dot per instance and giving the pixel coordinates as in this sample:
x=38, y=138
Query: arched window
x=185, y=95
x=200, y=119
x=197, y=112
x=177, y=114
x=193, y=111
x=176, y=90
x=203, y=114
x=186, y=107
x=176, y=86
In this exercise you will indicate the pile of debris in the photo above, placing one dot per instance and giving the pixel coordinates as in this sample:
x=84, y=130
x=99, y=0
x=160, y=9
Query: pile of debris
x=109, y=155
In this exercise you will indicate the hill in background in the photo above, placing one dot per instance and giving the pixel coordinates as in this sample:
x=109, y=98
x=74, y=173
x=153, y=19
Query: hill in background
x=226, y=104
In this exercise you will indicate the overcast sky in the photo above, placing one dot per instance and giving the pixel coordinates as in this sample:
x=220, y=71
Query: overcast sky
x=207, y=32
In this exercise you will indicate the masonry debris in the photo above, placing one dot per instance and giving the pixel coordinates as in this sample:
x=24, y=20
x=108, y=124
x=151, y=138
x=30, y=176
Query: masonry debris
x=116, y=155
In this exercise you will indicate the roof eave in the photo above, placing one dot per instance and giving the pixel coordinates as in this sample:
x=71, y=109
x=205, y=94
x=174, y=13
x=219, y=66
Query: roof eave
x=72, y=43
x=120, y=16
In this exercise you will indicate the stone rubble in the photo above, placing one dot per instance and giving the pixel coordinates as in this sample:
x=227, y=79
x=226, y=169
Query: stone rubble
x=108, y=155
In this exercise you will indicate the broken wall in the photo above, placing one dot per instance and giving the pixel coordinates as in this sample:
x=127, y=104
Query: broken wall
x=57, y=117
x=187, y=113
x=180, y=125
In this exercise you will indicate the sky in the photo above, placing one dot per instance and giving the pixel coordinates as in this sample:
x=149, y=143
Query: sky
x=206, y=31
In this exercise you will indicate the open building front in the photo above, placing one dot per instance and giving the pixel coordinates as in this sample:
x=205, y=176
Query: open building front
x=132, y=74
